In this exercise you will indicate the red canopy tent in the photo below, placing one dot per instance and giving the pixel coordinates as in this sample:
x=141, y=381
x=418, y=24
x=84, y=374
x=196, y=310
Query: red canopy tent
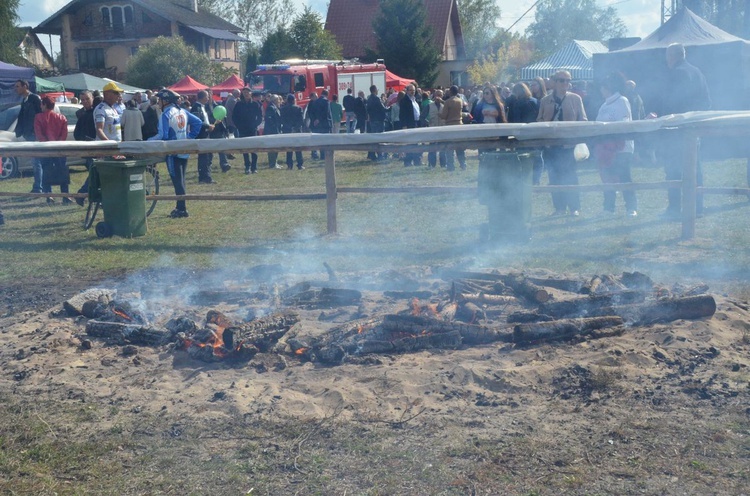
x=396, y=82
x=187, y=86
x=234, y=82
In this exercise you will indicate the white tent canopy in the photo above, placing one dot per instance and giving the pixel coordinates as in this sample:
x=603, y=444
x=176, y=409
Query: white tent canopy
x=576, y=58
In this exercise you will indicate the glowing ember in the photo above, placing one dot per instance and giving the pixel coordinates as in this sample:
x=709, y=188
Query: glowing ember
x=301, y=351
x=121, y=314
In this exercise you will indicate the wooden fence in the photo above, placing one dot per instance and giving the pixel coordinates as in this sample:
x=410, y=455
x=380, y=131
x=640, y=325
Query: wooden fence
x=688, y=128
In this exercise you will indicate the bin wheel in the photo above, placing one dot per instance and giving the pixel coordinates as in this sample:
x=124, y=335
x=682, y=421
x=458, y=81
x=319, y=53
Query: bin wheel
x=103, y=230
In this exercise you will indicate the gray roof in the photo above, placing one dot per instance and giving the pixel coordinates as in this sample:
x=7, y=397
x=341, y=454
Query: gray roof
x=576, y=58
x=165, y=8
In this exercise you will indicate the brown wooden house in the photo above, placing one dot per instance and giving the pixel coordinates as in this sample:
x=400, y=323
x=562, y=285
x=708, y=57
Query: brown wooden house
x=32, y=48
x=350, y=22
x=100, y=36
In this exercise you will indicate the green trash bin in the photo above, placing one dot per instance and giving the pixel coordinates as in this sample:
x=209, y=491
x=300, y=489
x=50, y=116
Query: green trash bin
x=123, y=197
x=504, y=185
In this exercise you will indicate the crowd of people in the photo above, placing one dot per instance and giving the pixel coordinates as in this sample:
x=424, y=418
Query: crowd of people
x=165, y=115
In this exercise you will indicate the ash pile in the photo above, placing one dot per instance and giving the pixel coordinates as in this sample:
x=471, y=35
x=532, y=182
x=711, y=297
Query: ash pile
x=356, y=319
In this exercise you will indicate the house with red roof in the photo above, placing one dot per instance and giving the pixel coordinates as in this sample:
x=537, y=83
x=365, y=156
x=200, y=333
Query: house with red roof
x=350, y=22
x=99, y=36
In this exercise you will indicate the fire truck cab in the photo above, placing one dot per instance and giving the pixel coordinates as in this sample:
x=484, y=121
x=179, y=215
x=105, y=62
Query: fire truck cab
x=302, y=77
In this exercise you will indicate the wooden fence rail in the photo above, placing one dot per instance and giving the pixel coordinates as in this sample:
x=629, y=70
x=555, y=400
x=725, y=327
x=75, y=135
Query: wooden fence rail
x=688, y=128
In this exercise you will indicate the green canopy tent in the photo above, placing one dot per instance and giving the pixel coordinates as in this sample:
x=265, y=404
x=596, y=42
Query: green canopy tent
x=47, y=86
x=82, y=81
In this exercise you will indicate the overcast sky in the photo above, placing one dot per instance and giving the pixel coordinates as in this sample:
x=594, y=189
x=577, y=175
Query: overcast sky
x=641, y=17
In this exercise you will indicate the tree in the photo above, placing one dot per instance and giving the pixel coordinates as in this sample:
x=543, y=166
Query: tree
x=278, y=45
x=313, y=42
x=259, y=18
x=167, y=60
x=404, y=41
x=478, y=25
x=9, y=46
x=504, y=64
x=558, y=22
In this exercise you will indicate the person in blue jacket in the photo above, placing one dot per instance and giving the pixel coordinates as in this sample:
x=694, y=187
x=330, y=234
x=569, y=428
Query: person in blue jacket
x=176, y=123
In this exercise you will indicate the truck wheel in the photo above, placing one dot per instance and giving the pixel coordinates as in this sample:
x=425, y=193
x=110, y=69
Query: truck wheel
x=103, y=230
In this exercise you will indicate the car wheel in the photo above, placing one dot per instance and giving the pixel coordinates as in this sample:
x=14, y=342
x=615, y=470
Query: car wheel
x=9, y=168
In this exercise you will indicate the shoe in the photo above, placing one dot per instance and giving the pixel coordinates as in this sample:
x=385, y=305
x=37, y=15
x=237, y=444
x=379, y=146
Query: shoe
x=207, y=181
x=253, y=172
x=67, y=201
x=229, y=156
x=80, y=201
x=557, y=213
x=36, y=191
x=277, y=166
x=226, y=168
x=290, y=168
x=178, y=214
x=247, y=171
x=301, y=167
x=575, y=213
x=50, y=201
x=632, y=213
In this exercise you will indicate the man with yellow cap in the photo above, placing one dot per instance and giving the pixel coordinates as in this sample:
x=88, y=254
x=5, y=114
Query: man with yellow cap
x=106, y=118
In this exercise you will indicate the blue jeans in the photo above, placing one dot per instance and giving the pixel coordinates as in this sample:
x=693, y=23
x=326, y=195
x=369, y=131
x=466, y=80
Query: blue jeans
x=37, y=186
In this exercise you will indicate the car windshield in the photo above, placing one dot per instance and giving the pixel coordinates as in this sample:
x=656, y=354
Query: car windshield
x=8, y=117
x=69, y=113
x=274, y=83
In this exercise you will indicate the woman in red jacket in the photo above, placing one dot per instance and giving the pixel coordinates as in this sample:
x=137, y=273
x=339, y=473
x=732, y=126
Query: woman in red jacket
x=52, y=126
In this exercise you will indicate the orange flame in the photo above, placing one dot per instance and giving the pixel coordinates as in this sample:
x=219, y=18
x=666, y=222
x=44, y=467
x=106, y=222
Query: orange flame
x=121, y=314
x=300, y=351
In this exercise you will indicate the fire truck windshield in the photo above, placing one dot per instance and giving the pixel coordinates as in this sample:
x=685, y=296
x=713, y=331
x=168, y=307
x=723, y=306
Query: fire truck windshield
x=274, y=83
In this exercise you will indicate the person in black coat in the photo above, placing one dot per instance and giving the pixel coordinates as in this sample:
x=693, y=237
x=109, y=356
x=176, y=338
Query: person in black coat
x=292, y=121
x=376, y=115
x=247, y=116
x=204, y=159
x=319, y=113
x=686, y=91
x=85, y=130
x=272, y=126
x=31, y=105
x=408, y=114
x=360, y=109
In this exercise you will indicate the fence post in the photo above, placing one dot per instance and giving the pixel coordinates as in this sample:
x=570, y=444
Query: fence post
x=689, y=184
x=331, y=192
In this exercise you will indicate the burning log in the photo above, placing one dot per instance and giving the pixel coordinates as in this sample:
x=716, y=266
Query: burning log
x=527, y=289
x=120, y=333
x=580, y=307
x=562, y=329
x=472, y=334
x=525, y=317
x=262, y=333
x=213, y=297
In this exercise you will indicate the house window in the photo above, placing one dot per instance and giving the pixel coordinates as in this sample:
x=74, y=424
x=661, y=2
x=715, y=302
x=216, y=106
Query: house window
x=459, y=78
x=91, y=58
x=117, y=16
x=318, y=79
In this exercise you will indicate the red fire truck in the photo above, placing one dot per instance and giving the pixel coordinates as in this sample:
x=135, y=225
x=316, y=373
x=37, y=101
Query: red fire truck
x=302, y=77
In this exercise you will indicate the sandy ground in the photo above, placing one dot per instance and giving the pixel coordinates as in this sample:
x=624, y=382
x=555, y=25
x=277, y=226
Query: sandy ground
x=674, y=369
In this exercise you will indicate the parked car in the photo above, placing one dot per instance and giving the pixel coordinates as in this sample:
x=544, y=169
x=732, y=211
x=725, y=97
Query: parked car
x=14, y=166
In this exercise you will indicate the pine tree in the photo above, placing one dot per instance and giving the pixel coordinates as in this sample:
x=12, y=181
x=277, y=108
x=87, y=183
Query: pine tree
x=405, y=42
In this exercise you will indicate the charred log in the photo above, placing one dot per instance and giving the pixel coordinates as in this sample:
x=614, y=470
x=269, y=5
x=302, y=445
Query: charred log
x=561, y=283
x=120, y=333
x=325, y=297
x=581, y=307
x=527, y=289
x=469, y=312
x=667, y=310
x=75, y=305
x=591, y=286
x=525, y=317
x=487, y=299
x=214, y=297
x=408, y=295
x=637, y=281
x=562, y=329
